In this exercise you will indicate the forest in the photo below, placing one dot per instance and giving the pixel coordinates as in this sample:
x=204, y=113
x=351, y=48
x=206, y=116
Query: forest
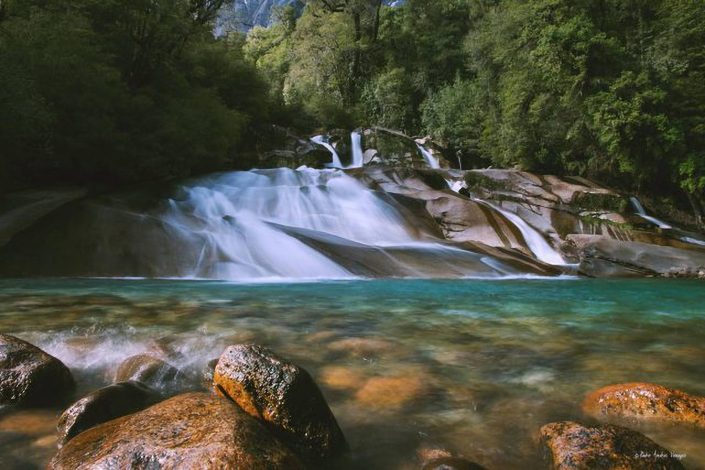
x=112, y=92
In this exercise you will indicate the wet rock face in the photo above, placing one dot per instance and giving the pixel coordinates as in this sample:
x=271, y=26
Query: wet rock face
x=29, y=376
x=603, y=257
x=284, y=396
x=645, y=403
x=194, y=430
x=103, y=405
x=150, y=371
x=572, y=446
x=451, y=463
x=442, y=459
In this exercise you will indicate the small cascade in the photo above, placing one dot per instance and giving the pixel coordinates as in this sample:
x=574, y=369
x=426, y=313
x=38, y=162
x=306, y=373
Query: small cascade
x=321, y=140
x=534, y=240
x=431, y=161
x=682, y=235
x=641, y=212
x=693, y=241
x=357, y=154
x=456, y=185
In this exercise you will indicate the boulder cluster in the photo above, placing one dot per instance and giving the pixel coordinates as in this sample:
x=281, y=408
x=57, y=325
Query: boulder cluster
x=259, y=411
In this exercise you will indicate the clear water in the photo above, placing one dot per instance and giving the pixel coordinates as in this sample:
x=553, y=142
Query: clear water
x=473, y=366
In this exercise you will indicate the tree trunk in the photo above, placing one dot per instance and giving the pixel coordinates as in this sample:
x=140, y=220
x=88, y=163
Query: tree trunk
x=698, y=206
x=355, y=69
x=375, y=32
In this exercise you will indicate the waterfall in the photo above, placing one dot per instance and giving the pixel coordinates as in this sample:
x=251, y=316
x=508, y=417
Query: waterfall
x=534, y=240
x=641, y=212
x=538, y=245
x=357, y=154
x=431, y=161
x=679, y=234
x=282, y=223
x=321, y=140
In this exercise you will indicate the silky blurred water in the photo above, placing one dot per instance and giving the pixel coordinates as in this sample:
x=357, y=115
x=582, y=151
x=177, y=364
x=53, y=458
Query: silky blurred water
x=472, y=366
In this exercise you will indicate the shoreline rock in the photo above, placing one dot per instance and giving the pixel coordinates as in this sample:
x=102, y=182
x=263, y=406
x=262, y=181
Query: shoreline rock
x=284, y=396
x=103, y=405
x=193, y=430
x=30, y=376
x=641, y=402
x=573, y=446
x=151, y=371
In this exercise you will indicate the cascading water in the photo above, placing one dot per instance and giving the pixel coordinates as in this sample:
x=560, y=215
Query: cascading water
x=321, y=140
x=308, y=223
x=534, y=240
x=641, y=212
x=357, y=154
x=431, y=161
x=681, y=235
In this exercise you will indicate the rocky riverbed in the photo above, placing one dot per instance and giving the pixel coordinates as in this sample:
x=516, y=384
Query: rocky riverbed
x=261, y=411
x=516, y=374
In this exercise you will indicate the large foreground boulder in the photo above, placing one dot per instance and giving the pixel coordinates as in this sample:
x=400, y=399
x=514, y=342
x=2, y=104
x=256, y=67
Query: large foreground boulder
x=194, y=430
x=572, y=446
x=643, y=403
x=283, y=395
x=29, y=376
x=103, y=405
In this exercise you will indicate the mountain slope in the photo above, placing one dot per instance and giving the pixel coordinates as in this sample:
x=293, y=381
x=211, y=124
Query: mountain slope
x=246, y=14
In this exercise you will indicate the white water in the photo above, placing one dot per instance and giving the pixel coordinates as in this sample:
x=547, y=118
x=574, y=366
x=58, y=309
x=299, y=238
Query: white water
x=456, y=185
x=534, y=240
x=694, y=241
x=357, y=154
x=641, y=212
x=431, y=161
x=321, y=140
x=284, y=224
x=235, y=213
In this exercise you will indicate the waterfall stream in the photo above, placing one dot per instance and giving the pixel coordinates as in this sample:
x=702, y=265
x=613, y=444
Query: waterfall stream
x=431, y=161
x=357, y=154
x=307, y=223
x=641, y=212
x=534, y=240
x=321, y=140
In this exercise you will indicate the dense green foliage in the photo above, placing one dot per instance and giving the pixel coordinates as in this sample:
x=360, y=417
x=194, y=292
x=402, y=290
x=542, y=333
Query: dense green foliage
x=611, y=89
x=111, y=91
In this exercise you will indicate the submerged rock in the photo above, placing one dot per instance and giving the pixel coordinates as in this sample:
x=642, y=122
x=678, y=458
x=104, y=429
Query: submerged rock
x=150, y=371
x=392, y=393
x=441, y=459
x=194, y=430
x=283, y=395
x=30, y=376
x=342, y=378
x=645, y=403
x=572, y=446
x=451, y=463
x=103, y=405
x=364, y=347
